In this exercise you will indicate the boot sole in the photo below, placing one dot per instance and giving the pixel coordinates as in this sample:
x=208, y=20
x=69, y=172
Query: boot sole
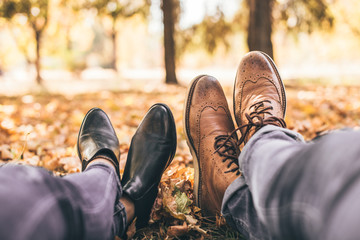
x=189, y=141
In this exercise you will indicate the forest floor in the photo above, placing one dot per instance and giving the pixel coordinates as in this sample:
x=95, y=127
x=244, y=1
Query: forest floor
x=41, y=130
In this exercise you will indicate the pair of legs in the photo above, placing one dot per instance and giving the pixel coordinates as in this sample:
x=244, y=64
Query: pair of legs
x=96, y=203
x=278, y=187
x=36, y=205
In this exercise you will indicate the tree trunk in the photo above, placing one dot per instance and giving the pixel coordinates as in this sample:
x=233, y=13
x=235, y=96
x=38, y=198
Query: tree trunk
x=37, y=60
x=113, y=63
x=169, y=43
x=260, y=26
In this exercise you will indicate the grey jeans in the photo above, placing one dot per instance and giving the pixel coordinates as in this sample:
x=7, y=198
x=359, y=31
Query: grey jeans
x=290, y=189
x=36, y=205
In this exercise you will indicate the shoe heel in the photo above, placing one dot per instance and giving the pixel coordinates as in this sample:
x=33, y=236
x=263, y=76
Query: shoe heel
x=143, y=208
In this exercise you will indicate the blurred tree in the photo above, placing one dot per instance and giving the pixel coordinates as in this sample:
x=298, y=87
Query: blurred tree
x=36, y=13
x=116, y=10
x=258, y=18
x=296, y=15
x=260, y=25
x=69, y=8
x=304, y=15
x=170, y=16
x=212, y=31
x=349, y=13
x=71, y=15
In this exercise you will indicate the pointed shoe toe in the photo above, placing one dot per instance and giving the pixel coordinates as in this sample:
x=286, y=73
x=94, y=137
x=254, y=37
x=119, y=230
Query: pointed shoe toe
x=97, y=136
x=151, y=151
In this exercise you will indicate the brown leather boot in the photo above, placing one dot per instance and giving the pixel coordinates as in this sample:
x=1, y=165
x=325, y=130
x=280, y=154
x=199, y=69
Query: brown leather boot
x=259, y=95
x=208, y=129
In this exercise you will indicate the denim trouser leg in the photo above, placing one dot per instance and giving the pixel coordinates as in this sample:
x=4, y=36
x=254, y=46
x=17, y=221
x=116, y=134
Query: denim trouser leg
x=37, y=205
x=293, y=190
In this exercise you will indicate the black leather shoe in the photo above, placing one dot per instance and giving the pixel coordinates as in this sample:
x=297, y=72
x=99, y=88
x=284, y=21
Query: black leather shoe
x=97, y=137
x=151, y=151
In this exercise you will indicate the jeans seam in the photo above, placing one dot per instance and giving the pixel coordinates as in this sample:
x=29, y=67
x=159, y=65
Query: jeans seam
x=120, y=212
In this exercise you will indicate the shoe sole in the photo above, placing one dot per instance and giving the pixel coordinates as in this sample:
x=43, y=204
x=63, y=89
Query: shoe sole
x=189, y=141
x=81, y=128
x=281, y=85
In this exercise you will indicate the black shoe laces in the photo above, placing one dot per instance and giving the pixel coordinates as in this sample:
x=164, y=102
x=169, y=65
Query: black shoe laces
x=226, y=146
x=259, y=109
x=255, y=120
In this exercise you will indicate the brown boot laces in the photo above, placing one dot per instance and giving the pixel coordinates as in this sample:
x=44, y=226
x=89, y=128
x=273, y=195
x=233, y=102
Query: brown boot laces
x=258, y=109
x=226, y=146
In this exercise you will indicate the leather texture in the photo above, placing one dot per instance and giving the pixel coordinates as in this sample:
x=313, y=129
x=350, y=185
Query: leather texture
x=151, y=151
x=258, y=85
x=207, y=117
x=97, y=136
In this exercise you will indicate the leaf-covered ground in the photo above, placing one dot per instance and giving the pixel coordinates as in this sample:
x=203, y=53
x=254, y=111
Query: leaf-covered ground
x=42, y=130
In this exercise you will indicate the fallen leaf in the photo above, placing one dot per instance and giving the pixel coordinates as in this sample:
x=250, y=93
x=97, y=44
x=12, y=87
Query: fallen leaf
x=177, y=231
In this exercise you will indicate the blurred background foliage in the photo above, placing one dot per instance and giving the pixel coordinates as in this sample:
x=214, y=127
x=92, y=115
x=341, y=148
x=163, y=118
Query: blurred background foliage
x=45, y=40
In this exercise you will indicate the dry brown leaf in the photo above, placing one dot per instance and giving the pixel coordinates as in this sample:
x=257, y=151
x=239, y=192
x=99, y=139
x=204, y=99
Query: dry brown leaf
x=178, y=231
x=5, y=153
x=131, y=230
